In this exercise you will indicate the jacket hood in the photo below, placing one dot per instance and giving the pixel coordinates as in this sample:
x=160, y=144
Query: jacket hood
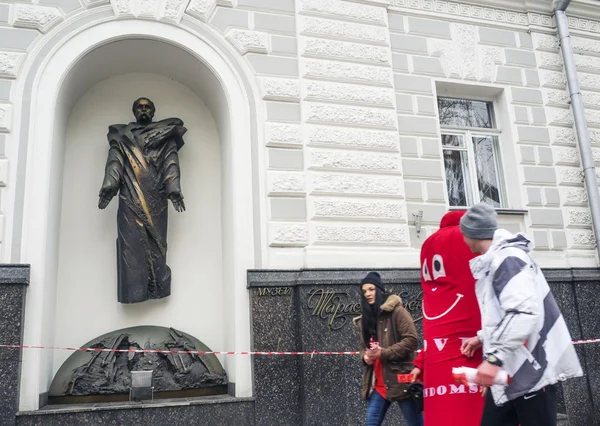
x=502, y=239
x=391, y=302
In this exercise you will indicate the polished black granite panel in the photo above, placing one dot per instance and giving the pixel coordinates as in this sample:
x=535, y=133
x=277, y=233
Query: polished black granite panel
x=324, y=303
x=279, y=383
x=14, y=280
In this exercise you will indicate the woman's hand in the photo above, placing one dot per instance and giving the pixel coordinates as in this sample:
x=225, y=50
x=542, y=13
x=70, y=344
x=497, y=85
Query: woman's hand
x=375, y=352
x=470, y=346
x=415, y=373
x=368, y=360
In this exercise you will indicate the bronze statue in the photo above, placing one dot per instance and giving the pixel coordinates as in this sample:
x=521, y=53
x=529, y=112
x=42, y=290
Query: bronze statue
x=143, y=167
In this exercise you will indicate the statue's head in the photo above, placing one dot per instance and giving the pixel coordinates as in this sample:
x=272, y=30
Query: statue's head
x=143, y=110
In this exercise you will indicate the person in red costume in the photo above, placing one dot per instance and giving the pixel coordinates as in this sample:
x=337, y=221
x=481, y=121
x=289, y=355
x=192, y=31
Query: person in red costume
x=450, y=316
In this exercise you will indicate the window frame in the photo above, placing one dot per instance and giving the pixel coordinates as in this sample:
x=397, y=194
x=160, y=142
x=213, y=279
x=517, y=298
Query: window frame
x=467, y=133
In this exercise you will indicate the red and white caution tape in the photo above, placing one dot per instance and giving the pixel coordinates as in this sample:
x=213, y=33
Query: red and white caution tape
x=580, y=342
x=177, y=351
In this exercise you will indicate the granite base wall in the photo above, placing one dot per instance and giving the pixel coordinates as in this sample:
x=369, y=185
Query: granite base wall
x=325, y=389
x=14, y=280
x=301, y=390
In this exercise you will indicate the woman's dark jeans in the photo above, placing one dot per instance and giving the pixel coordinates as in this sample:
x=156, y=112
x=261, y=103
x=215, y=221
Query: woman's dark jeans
x=378, y=406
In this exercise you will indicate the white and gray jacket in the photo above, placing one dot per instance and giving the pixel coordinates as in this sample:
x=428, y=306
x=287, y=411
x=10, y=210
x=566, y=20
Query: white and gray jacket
x=521, y=322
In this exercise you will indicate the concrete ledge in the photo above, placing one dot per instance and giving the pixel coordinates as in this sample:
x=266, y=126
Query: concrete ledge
x=14, y=274
x=217, y=410
x=562, y=420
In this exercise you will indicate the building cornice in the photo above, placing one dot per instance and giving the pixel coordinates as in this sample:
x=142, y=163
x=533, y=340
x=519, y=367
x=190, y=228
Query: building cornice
x=584, y=15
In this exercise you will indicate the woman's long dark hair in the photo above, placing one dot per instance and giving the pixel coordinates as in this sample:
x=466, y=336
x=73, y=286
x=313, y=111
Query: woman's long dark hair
x=369, y=315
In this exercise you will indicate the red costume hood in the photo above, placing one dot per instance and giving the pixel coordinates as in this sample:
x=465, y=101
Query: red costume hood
x=452, y=218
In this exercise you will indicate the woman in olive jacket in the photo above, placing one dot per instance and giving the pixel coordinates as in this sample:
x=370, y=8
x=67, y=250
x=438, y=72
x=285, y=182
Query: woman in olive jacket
x=388, y=344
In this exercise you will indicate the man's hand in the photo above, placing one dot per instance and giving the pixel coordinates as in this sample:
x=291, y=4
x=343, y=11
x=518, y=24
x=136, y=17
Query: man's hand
x=415, y=373
x=486, y=373
x=177, y=200
x=470, y=346
x=368, y=360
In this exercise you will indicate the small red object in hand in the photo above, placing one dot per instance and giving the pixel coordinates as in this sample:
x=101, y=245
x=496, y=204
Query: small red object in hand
x=404, y=378
x=460, y=379
x=373, y=343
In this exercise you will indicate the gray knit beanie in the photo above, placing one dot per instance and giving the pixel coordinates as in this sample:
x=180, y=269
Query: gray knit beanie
x=479, y=222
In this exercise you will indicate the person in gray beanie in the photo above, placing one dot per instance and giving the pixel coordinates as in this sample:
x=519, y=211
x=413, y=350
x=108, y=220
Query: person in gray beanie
x=479, y=223
x=523, y=331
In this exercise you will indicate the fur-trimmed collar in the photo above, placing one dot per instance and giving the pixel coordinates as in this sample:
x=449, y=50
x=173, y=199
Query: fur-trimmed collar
x=390, y=304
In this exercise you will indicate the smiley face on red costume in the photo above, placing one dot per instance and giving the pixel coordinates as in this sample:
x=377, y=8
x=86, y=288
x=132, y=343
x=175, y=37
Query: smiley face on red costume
x=435, y=279
x=450, y=315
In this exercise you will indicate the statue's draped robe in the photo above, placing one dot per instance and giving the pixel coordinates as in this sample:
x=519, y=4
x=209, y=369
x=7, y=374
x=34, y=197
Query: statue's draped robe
x=143, y=163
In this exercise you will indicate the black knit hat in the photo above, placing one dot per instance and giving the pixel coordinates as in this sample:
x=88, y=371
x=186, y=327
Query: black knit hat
x=373, y=278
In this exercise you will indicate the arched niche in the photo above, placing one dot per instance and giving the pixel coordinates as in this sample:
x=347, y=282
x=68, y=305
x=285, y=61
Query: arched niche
x=87, y=264
x=70, y=70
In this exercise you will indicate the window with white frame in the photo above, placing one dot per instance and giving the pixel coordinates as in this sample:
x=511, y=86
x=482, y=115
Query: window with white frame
x=471, y=152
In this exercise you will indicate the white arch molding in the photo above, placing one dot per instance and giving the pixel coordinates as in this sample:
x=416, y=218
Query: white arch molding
x=52, y=97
